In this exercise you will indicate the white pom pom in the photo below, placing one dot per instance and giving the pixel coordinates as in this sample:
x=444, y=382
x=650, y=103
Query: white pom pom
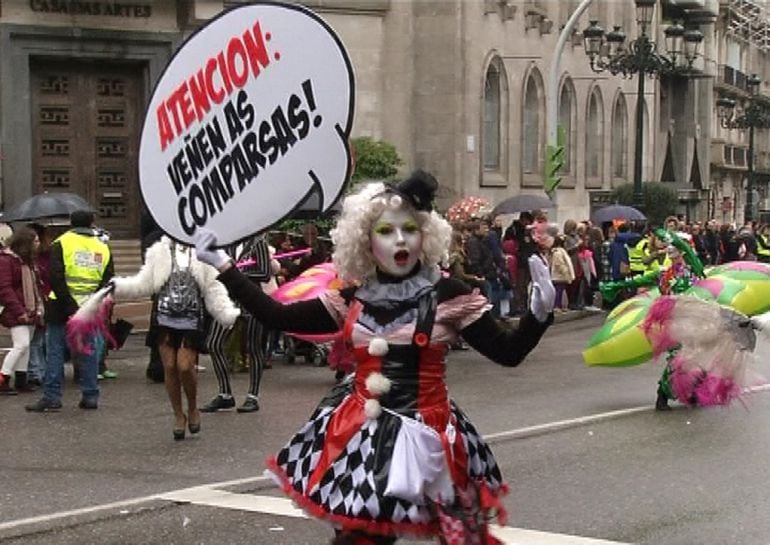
x=377, y=383
x=378, y=347
x=372, y=408
x=395, y=201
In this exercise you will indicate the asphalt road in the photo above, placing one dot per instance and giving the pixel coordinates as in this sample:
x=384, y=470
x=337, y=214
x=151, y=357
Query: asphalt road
x=582, y=449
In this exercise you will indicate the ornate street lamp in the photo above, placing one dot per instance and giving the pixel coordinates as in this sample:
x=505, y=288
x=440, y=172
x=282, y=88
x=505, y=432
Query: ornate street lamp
x=754, y=115
x=640, y=57
x=645, y=9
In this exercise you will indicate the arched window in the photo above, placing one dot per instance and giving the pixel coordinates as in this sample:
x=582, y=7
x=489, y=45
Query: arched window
x=620, y=138
x=532, y=133
x=567, y=122
x=493, y=93
x=594, y=135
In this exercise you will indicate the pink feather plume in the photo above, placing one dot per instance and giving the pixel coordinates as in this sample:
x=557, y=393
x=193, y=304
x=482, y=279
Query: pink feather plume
x=93, y=317
x=656, y=324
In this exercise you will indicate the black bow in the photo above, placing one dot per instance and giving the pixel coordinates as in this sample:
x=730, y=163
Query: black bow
x=419, y=189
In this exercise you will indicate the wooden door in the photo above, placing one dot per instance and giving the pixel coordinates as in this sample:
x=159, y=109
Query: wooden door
x=86, y=122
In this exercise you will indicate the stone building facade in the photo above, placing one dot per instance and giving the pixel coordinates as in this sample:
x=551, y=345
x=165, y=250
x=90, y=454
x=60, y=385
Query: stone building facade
x=742, y=48
x=459, y=86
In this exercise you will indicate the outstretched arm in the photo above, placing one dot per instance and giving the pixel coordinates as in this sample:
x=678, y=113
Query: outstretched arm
x=302, y=317
x=508, y=346
x=610, y=290
x=505, y=345
x=151, y=276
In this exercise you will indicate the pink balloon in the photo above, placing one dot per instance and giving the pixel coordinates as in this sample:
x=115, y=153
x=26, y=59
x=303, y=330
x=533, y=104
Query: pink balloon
x=310, y=284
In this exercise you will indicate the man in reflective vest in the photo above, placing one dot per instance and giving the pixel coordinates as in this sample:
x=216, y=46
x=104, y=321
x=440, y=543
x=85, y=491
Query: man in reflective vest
x=637, y=255
x=80, y=265
x=763, y=244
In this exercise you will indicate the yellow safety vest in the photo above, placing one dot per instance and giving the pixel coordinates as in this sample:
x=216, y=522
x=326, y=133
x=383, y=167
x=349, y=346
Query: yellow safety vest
x=85, y=259
x=763, y=247
x=635, y=256
x=655, y=266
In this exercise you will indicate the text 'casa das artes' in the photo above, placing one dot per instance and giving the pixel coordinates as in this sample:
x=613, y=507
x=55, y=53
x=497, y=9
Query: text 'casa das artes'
x=74, y=7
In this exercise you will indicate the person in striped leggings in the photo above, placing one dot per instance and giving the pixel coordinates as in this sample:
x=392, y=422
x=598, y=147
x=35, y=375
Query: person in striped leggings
x=253, y=257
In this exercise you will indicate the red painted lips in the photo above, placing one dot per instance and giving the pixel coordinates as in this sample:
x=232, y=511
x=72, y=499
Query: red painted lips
x=401, y=257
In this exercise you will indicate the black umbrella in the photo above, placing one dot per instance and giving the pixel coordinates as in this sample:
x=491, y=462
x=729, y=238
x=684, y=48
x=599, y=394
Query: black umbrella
x=522, y=203
x=47, y=205
x=617, y=212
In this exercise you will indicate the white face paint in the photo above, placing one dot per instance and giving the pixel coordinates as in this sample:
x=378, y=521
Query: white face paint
x=396, y=241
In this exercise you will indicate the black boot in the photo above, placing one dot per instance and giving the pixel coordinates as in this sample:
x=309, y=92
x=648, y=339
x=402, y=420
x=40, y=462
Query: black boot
x=20, y=382
x=661, y=404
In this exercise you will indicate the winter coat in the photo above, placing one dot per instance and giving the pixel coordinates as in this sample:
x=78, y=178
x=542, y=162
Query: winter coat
x=586, y=262
x=457, y=269
x=511, y=252
x=157, y=270
x=479, y=259
x=562, y=270
x=11, y=293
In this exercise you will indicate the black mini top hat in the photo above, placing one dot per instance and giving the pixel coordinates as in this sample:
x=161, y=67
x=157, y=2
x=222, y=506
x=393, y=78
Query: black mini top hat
x=419, y=189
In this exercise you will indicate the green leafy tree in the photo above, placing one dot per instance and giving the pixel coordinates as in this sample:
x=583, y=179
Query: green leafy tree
x=660, y=200
x=374, y=160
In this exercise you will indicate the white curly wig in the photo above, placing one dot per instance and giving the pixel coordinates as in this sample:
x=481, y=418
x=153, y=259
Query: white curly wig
x=353, y=256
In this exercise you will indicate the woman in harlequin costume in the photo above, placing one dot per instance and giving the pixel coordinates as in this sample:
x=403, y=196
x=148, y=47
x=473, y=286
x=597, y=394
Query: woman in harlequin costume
x=387, y=453
x=706, y=346
x=677, y=278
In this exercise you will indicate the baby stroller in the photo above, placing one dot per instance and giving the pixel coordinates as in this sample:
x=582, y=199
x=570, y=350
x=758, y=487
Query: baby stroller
x=321, y=349
x=312, y=352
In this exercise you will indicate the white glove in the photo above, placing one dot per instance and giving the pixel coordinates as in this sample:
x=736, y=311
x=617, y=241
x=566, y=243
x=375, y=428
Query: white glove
x=205, y=241
x=543, y=292
x=762, y=323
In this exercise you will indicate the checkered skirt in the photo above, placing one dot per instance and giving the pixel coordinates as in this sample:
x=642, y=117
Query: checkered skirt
x=336, y=468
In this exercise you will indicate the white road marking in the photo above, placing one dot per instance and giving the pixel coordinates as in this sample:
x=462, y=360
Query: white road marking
x=561, y=424
x=271, y=505
x=540, y=429
x=521, y=536
x=120, y=505
x=284, y=507
x=760, y=388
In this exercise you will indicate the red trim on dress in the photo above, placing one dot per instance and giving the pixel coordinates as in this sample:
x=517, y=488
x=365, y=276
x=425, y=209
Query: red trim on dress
x=367, y=364
x=432, y=395
x=347, y=419
x=350, y=321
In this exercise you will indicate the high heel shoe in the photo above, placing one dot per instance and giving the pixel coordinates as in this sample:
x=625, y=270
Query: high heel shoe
x=194, y=427
x=180, y=432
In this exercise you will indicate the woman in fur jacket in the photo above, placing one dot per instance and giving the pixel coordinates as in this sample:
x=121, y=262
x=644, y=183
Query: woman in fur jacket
x=184, y=287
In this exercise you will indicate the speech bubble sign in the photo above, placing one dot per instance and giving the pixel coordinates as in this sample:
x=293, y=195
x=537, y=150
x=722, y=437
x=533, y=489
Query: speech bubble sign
x=252, y=114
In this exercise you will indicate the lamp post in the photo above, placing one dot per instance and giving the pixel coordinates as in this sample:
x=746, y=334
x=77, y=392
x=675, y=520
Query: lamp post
x=753, y=116
x=608, y=51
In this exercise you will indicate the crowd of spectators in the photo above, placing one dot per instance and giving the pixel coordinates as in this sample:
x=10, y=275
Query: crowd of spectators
x=492, y=256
